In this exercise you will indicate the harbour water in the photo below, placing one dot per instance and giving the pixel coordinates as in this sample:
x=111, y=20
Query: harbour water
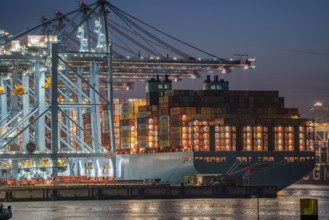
x=286, y=206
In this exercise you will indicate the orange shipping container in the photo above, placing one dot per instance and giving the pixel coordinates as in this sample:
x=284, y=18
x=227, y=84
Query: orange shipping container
x=117, y=118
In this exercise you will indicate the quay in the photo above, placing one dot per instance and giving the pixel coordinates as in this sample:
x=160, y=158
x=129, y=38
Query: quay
x=131, y=191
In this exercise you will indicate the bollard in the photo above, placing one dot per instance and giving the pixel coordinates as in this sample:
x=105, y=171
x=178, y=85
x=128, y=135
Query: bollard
x=308, y=209
x=54, y=195
x=99, y=194
x=9, y=196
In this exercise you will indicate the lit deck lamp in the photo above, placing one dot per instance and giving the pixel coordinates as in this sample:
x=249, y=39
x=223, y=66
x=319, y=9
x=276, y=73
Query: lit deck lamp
x=2, y=90
x=19, y=90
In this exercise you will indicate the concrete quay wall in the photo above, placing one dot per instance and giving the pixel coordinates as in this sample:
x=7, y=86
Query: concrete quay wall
x=103, y=192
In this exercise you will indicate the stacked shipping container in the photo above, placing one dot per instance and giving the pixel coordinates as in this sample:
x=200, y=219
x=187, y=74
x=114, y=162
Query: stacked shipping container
x=106, y=140
x=147, y=130
x=129, y=114
x=210, y=120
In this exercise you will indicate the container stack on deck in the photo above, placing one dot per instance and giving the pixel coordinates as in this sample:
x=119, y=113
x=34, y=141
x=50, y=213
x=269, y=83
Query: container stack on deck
x=129, y=125
x=216, y=119
x=147, y=129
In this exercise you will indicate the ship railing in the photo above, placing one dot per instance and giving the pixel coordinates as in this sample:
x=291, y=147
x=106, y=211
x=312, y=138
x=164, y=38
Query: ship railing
x=256, y=165
x=277, y=164
x=245, y=168
x=233, y=167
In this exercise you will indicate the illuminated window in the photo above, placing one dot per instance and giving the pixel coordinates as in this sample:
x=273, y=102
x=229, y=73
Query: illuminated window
x=310, y=136
x=278, y=138
x=225, y=138
x=184, y=118
x=289, y=138
x=302, y=138
x=247, y=138
x=260, y=138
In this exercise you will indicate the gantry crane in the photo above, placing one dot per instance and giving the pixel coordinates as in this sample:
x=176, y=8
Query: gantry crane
x=67, y=67
x=319, y=113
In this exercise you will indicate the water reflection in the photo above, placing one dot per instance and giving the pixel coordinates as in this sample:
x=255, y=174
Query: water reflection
x=283, y=207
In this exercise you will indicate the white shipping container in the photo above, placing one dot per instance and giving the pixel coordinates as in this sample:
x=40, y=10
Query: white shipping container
x=105, y=127
x=88, y=126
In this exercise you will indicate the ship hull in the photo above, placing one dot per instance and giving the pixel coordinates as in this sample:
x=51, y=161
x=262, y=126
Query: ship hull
x=262, y=168
x=169, y=167
x=318, y=176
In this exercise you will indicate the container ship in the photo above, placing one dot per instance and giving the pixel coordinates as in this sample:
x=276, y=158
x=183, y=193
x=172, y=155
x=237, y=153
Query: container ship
x=248, y=136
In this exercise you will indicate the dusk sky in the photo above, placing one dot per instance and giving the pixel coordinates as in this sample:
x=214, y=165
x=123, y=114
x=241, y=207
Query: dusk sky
x=289, y=39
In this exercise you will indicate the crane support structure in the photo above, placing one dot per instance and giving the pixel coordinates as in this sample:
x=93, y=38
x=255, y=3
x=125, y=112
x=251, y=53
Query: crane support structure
x=58, y=76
